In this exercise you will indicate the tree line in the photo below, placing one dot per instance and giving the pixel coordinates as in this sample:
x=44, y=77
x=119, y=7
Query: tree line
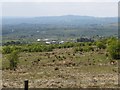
x=112, y=45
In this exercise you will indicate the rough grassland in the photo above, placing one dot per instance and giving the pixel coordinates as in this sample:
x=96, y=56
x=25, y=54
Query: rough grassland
x=62, y=68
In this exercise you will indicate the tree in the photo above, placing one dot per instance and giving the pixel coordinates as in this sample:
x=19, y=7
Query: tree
x=114, y=49
x=13, y=60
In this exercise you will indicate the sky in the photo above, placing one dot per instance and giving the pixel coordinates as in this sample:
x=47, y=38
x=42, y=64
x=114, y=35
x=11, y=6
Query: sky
x=59, y=0
x=96, y=8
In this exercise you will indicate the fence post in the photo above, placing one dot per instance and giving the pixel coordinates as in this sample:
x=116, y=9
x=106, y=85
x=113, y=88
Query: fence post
x=26, y=85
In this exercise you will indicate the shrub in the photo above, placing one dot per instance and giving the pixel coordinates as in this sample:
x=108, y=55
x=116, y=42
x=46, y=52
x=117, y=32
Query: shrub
x=114, y=49
x=6, y=50
x=13, y=60
x=91, y=48
x=101, y=45
x=110, y=40
x=78, y=49
x=10, y=49
x=88, y=43
x=88, y=48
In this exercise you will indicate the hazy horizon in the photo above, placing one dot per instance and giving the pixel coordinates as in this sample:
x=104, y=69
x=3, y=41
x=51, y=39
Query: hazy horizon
x=28, y=10
x=56, y=16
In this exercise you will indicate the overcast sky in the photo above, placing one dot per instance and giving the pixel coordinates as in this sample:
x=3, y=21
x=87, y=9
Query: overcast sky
x=59, y=0
x=36, y=9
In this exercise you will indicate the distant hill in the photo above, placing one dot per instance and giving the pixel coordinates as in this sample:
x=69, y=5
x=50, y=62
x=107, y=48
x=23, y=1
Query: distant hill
x=67, y=19
x=68, y=26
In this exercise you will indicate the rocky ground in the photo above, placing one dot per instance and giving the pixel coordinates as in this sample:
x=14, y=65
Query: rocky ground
x=62, y=78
